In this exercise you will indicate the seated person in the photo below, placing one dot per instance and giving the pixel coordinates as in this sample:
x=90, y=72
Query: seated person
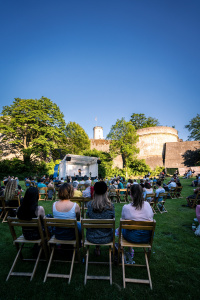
x=147, y=190
x=65, y=209
x=138, y=210
x=82, y=181
x=170, y=185
x=11, y=190
x=190, y=199
x=77, y=193
x=51, y=190
x=87, y=191
x=100, y=208
x=28, y=210
x=159, y=190
x=120, y=185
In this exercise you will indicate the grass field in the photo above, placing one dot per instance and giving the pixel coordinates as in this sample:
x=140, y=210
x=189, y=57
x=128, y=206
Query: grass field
x=174, y=264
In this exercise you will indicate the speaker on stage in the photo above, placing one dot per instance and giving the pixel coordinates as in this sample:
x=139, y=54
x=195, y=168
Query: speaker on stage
x=98, y=161
x=68, y=158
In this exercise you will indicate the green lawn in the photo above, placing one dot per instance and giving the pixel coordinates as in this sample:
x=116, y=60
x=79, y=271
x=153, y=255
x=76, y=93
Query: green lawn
x=174, y=264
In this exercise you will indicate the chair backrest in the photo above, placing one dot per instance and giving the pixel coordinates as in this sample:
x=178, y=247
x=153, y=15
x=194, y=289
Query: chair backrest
x=151, y=195
x=98, y=223
x=13, y=203
x=163, y=195
x=34, y=223
x=138, y=225
x=42, y=189
x=61, y=223
x=2, y=202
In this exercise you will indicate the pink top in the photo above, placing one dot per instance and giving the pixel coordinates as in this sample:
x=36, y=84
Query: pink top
x=129, y=212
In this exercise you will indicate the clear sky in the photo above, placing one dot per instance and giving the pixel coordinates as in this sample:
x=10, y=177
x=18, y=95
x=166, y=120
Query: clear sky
x=103, y=58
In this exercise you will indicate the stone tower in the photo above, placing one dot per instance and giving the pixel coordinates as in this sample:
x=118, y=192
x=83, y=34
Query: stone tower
x=98, y=133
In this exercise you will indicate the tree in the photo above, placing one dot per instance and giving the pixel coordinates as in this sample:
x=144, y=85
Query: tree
x=194, y=128
x=141, y=121
x=32, y=127
x=77, y=138
x=123, y=138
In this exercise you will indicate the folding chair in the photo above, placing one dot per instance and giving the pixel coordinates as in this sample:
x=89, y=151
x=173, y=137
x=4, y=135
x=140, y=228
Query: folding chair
x=2, y=206
x=98, y=224
x=171, y=192
x=42, y=192
x=82, y=202
x=193, y=202
x=20, y=241
x=13, y=203
x=178, y=191
x=122, y=195
x=112, y=194
x=160, y=204
x=152, y=202
x=52, y=241
x=53, y=193
x=151, y=196
x=136, y=225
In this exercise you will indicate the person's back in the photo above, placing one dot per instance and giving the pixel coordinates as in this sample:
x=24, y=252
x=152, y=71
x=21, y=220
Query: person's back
x=100, y=208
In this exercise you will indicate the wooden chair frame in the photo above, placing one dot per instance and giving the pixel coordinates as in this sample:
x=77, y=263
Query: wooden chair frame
x=178, y=191
x=52, y=241
x=152, y=202
x=172, y=192
x=82, y=202
x=20, y=241
x=161, y=209
x=136, y=225
x=7, y=208
x=193, y=202
x=122, y=196
x=42, y=194
x=98, y=223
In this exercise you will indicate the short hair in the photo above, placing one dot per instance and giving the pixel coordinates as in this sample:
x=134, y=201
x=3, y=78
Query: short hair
x=66, y=191
x=147, y=185
x=159, y=182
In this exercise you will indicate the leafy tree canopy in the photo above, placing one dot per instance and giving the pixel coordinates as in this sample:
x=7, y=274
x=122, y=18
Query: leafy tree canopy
x=194, y=128
x=123, y=138
x=77, y=138
x=141, y=121
x=34, y=127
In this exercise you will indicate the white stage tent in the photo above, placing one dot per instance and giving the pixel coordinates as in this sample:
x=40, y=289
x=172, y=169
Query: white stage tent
x=71, y=164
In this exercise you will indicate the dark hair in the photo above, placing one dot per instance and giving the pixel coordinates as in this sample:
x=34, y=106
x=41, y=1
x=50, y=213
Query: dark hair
x=147, y=185
x=29, y=204
x=66, y=191
x=137, y=196
x=159, y=182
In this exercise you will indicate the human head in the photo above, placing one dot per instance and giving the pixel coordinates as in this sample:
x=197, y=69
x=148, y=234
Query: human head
x=158, y=183
x=137, y=196
x=29, y=204
x=147, y=185
x=66, y=191
x=101, y=201
x=87, y=183
x=75, y=185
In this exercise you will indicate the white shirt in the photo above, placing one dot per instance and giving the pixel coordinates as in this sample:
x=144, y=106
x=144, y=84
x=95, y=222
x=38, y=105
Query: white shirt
x=129, y=212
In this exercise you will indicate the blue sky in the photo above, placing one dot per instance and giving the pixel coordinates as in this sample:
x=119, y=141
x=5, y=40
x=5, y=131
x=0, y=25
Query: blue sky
x=105, y=59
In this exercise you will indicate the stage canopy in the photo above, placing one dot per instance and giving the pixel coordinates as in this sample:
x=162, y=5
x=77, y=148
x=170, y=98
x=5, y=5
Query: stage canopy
x=78, y=165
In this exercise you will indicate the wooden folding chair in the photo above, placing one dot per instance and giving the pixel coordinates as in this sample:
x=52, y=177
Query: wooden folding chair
x=136, y=225
x=152, y=202
x=52, y=241
x=178, y=191
x=151, y=196
x=112, y=194
x=98, y=224
x=160, y=204
x=13, y=203
x=42, y=193
x=193, y=202
x=122, y=195
x=20, y=241
x=54, y=194
x=171, y=192
x=82, y=202
x=2, y=206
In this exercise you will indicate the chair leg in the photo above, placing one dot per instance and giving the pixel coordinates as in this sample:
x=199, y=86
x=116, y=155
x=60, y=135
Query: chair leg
x=148, y=270
x=110, y=262
x=123, y=269
x=72, y=265
x=36, y=264
x=86, y=265
x=4, y=219
x=49, y=264
x=15, y=261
